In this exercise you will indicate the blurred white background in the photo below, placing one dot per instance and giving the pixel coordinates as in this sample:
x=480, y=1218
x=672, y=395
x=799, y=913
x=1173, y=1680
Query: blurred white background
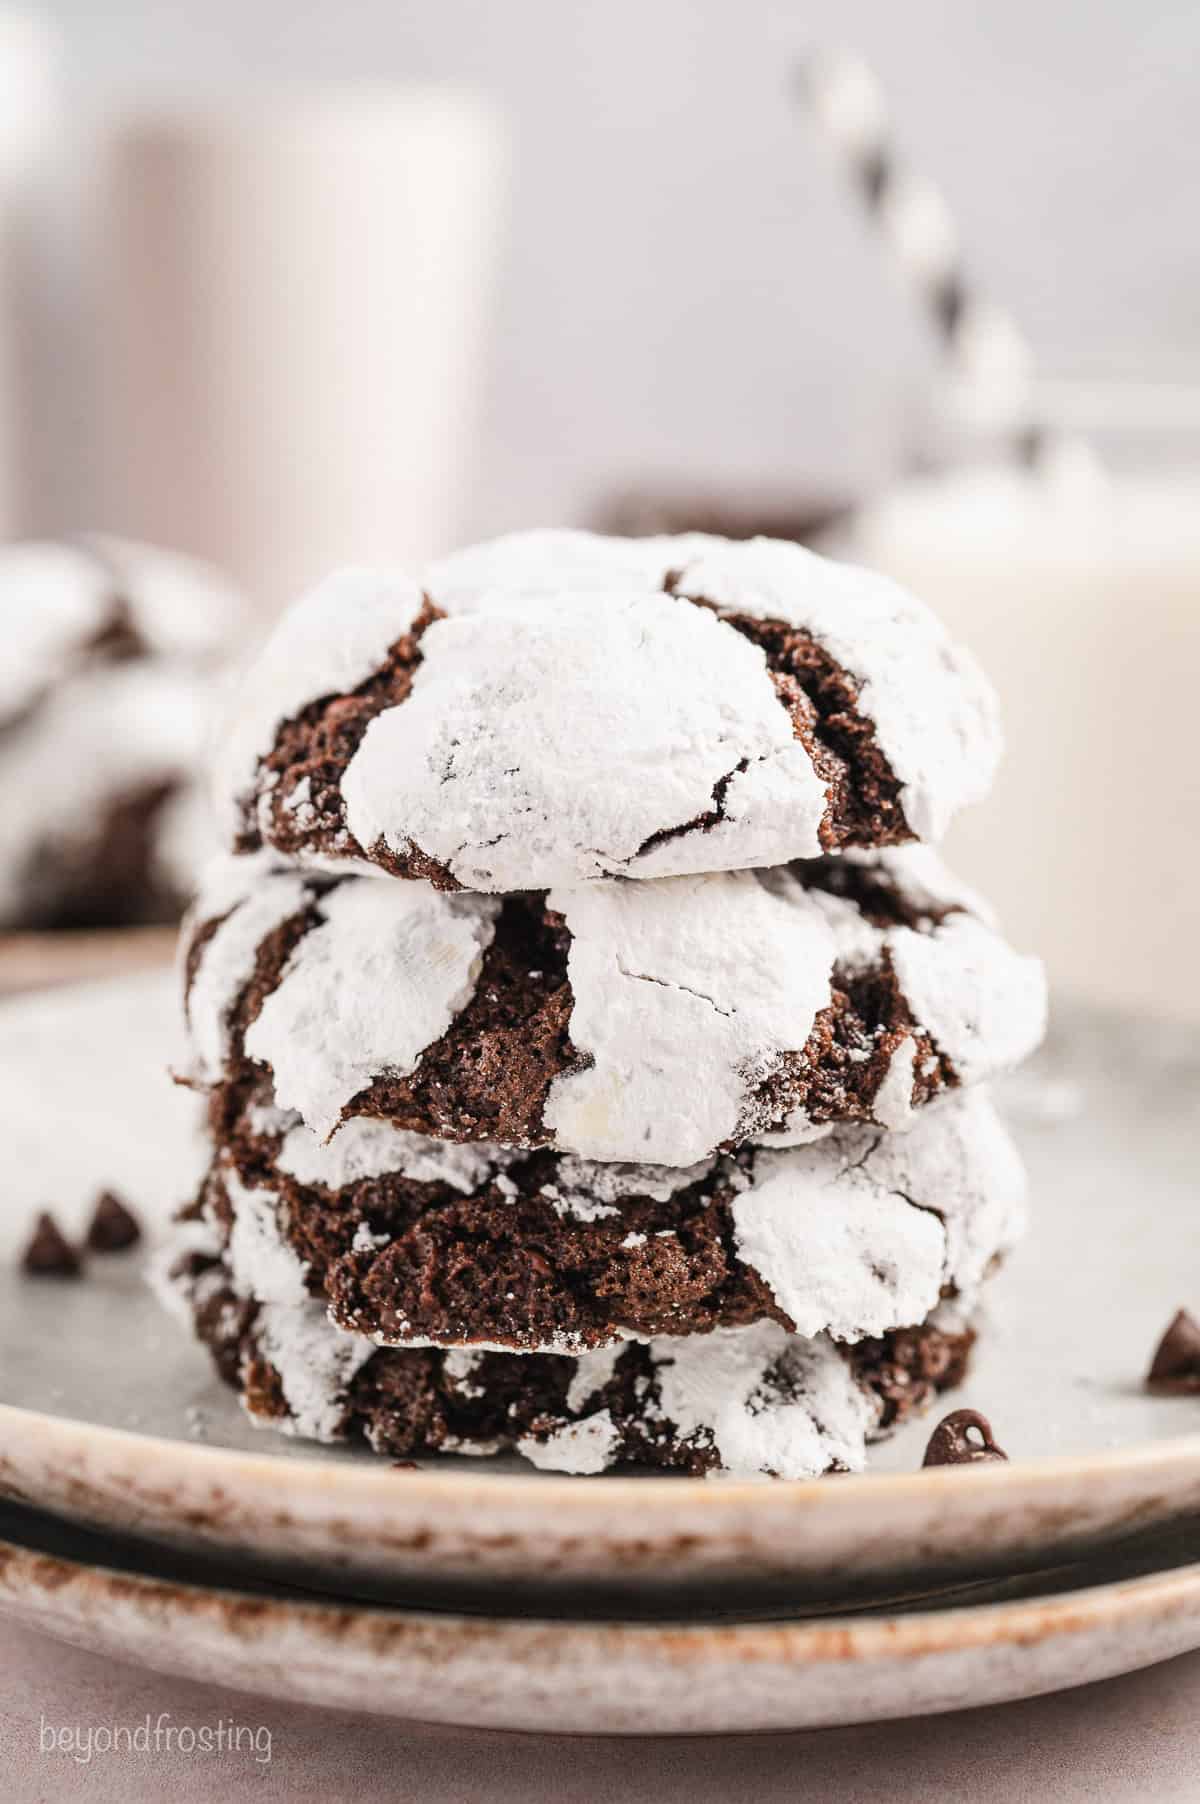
x=685, y=294
x=686, y=286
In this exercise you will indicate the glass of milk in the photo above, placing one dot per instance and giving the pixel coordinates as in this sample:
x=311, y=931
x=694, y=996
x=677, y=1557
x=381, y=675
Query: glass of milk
x=1079, y=590
x=294, y=305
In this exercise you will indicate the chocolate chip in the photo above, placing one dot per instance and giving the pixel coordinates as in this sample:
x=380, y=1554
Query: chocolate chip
x=1175, y=1368
x=405, y=1465
x=113, y=1226
x=961, y=1438
x=49, y=1253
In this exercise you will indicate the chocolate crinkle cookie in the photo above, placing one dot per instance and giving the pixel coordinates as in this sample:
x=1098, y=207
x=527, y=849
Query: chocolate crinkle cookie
x=410, y=1241
x=559, y=706
x=107, y=677
x=653, y=1022
x=751, y=1401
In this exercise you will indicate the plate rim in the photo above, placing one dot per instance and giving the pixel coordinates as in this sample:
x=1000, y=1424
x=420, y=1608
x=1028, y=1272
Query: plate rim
x=656, y=1489
x=869, y=1633
x=466, y=1532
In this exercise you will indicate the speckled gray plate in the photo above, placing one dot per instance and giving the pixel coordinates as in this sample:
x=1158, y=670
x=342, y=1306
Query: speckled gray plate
x=985, y=1644
x=109, y=1417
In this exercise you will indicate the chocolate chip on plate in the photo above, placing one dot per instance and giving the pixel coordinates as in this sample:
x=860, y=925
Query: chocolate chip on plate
x=114, y=1226
x=49, y=1253
x=1175, y=1368
x=962, y=1438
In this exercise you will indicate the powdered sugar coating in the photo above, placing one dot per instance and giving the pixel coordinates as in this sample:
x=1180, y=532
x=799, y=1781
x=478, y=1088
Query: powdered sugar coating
x=261, y=1262
x=315, y=1363
x=575, y=716
x=367, y=991
x=891, y=1105
x=168, y=1270
x=327, y=644
x=984, y=1012
x=247, y=900
x=767, y=1403
x=555, y=561
x=923, y=880
x=960, y=1161
x=935, y=715
x=585, y=1183
x=687, y=995
x=367, y=1149
x=364, y=1148
x=861, y=1233
x=854, y=1236
x=679, y=987
x=545, y=742
x=856, y=1261
x=592, y=1372
x=584, y=1448
x=983, y=1005
x=934, y=712
x=459, y=1366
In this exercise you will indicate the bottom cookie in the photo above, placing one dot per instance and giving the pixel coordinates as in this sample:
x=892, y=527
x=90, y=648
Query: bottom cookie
x=749, y=1401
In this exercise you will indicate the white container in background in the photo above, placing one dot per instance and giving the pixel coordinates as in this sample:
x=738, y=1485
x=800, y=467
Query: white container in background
x=1082, y=600
x=293, y=315
x=30, y=112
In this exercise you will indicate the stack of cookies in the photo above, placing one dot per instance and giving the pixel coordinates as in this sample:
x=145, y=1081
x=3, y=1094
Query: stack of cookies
x=596, y=1061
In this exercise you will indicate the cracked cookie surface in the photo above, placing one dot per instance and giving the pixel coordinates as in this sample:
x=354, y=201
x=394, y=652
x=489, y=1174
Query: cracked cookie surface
x=411, y=1241
x=751, y=1402
x=649, y=1022
x=557, y=707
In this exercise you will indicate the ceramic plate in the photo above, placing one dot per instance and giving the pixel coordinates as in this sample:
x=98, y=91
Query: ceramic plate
x=991, y=1645
x=108, y=1416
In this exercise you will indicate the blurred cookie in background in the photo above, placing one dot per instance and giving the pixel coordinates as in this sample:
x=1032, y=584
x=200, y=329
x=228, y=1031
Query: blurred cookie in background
x=110, y=655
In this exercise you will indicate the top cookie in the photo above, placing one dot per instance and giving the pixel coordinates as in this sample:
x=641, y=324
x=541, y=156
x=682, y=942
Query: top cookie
x=556, y=707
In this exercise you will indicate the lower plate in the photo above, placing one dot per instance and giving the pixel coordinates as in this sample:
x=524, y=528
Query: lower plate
x=989, y=1645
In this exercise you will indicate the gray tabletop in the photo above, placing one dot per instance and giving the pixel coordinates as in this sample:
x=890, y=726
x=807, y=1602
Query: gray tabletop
x=1136, y=1738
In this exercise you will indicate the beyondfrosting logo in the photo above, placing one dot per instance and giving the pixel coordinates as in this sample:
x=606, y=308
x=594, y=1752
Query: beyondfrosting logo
x=158, y=1735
